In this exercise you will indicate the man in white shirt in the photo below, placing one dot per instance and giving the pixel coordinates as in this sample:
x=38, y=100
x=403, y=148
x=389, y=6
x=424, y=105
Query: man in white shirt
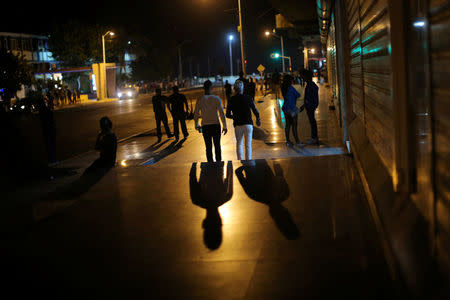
x=209, y=108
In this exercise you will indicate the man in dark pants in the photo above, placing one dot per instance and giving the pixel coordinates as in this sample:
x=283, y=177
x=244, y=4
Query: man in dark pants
x=311, y=104
x=209, y=107
x=159, y=107
x=177, y=105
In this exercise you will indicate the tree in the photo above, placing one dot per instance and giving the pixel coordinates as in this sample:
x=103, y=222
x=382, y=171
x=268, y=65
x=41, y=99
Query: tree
x=14, y=72
x=155, y=64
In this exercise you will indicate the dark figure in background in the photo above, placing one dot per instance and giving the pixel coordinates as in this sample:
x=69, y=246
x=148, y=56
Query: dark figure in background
x=269, y=187
x=245, y=81
x=209, y=192
x=159, y=107
x=178, y=107
x=78, y=95
x=276, y=80
x=227, y=92
x=69, y=96
x=107, y=145
x=290, y=109
x=311, y=104
x=48, y=130
x=252, y=88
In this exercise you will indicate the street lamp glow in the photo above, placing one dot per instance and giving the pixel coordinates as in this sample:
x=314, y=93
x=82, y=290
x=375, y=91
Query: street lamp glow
x=267, y=33
x=313, y=50
x=230, y=37
x=111, y=33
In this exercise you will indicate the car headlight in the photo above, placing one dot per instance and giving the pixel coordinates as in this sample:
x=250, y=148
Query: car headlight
x=119, y=94
x=130, y=94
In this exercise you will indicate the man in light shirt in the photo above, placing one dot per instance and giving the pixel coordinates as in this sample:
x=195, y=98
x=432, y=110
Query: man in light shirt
x=209, y=108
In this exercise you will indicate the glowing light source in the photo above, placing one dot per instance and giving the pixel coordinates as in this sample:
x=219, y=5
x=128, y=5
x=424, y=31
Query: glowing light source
x=230, y=37
x=267, y=33
x=111, y=33
x=419, y=23
x=313, y=50
x=123, y=163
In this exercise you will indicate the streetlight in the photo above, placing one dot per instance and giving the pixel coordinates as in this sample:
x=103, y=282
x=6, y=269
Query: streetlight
x=267, y=33
x=277, y=55
x=230, y=39
x=103, y=43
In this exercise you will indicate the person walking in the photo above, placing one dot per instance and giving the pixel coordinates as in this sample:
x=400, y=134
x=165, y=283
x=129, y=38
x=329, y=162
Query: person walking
x=227, y=92
x=159, y=108
x=240, y=110
x=177, y=105
x=209, y=107
x=290, y=109
x=311, y=104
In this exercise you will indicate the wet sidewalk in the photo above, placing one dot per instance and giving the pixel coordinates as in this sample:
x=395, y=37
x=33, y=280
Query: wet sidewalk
x=293, y=223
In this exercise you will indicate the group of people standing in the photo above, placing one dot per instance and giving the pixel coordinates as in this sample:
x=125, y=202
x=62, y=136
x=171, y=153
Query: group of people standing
x=240, y=107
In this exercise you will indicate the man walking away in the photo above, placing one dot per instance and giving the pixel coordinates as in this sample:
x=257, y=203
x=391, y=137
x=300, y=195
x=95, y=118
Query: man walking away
x=159, y=108
x=227, y=92
x=311, y=104
x=177, y=105
x=240, y=110
x=209, y=107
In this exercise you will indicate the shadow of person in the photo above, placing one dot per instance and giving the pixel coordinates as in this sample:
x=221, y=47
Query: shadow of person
x=265, y=186
x=209, y=192
x=170, y=149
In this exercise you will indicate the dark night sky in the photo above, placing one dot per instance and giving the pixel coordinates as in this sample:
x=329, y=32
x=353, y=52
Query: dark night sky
x=204, y=22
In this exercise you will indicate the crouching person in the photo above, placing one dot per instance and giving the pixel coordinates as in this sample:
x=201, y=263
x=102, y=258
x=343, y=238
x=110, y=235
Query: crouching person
x=107, y=146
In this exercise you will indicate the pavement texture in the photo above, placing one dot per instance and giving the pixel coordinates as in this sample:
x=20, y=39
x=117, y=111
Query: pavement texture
x=292, y=223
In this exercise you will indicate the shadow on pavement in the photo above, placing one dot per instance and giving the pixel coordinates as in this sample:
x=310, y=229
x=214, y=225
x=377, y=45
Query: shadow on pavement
x=265, y=186
x=209, y=192
x=170, y=149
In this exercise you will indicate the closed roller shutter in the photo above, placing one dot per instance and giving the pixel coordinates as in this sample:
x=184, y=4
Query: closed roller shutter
x=370, y=72
x=332, y=67
x=440, y=64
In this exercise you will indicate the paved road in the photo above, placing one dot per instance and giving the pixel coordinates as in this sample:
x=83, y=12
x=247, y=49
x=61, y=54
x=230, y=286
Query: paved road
x=77, y=127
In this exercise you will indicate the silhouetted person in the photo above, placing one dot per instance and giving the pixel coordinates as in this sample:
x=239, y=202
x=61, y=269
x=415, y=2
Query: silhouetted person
x=178, y=107
x=276, y=80
x=265, y=186
x=107, y=146
x=245, y=81
x=311, y=104
x=240, y=110
x=227, y=92
x=210, y=192
x=290, y=109
x=159, y=108
x=48, y=129
x=209, y=107
x=252, y=88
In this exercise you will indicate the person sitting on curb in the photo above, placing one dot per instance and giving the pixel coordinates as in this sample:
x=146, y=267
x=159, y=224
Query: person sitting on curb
x=107, y=145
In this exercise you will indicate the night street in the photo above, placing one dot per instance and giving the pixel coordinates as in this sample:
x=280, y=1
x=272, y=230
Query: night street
x=77, y=127
x=225, y=150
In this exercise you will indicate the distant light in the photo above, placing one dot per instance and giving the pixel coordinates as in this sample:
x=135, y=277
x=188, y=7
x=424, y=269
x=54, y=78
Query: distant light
x=129, y=42
x=419, y=23
x=123, y=163
x=230, y=37
x=130, y=94
x=267, y=33
x=119, y=94
x=313, y=50
x=276, y=55
x=22, y=107
x=111, y=33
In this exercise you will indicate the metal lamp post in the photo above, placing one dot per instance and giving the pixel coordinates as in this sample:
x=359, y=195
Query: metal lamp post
x=282, y=46
x=230, y=39
x=103, y=43
x=242, y=39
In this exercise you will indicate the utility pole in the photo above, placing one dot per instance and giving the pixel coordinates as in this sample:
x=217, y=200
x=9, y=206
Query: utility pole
x=242, y=38
x=180, y=66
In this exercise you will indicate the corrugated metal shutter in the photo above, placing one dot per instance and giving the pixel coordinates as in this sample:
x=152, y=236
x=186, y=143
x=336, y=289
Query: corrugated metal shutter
x=356, y=88
x=371, y=84
x=332, y=67
x=440, y=63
